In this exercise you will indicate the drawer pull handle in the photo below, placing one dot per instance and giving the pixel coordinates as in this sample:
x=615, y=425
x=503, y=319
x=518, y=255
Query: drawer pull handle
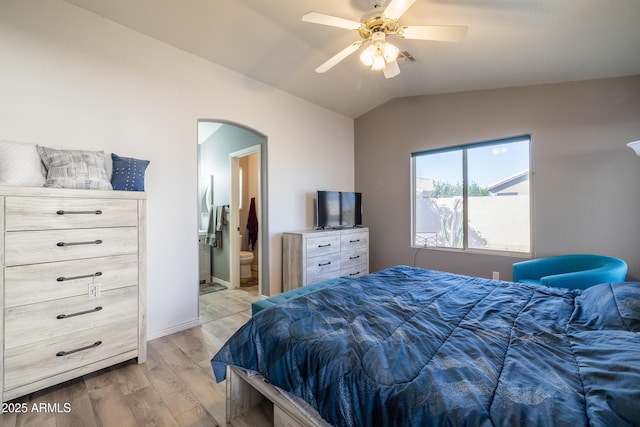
x=324, y=246
x=93, y=242
x=96, y=212
x=80, y=313
x=96, y=274
x=322, y=265
x=354, y=241
x=66, y=353
x=354, y=257
x=354, y=274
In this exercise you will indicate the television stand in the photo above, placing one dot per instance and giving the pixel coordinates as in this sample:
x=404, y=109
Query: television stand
x=316, y=255
x=339, y=227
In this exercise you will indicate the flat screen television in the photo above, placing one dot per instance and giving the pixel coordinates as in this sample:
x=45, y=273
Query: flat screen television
x=338, y=209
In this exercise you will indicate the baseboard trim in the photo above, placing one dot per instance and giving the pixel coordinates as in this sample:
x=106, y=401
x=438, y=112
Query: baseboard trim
x=214, y=279
x=172, y=330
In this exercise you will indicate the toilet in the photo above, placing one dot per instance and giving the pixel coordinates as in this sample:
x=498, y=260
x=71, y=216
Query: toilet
x=246, y=258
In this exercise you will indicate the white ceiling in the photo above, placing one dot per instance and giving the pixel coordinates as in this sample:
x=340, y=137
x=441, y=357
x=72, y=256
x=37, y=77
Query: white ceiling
x=509, y=43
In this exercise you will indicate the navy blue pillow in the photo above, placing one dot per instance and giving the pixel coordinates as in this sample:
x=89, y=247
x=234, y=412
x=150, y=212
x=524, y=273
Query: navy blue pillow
x=609, y=306
x=128, y=173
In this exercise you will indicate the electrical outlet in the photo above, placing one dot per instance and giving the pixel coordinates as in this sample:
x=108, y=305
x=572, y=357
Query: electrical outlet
x=94, y=291
x=496, y=275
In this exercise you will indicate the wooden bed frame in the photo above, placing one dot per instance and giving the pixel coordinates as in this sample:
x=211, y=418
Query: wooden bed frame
x=253, y=402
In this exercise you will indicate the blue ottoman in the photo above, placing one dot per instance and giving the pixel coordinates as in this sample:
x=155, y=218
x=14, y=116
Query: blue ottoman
x=286, y=296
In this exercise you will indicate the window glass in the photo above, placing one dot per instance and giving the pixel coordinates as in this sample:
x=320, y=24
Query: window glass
x=438, y=203
x=475, y=196
x=498, y=197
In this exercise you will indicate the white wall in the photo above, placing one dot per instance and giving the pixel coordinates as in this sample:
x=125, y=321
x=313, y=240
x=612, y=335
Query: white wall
x=70, y=79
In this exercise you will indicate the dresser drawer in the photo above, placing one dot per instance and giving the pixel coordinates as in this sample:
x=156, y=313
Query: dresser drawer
x=28, y=284
x=322, y=277
x=321, y=265
x=354, y=257
x=322, y=245
x=355, y=270
x=33, y=213
x=355, y=240
x=33, y=362
x=27, y=324
x=29, y=247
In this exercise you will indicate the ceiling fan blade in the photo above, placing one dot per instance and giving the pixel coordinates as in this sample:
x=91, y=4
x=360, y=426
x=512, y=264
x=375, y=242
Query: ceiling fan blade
x=339, y=57
x=332, y=21
x=397, y=8
x=391, y=70
x=443, y=33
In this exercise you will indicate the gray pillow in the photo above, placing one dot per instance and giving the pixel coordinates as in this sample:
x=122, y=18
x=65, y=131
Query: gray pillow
x=75, y=169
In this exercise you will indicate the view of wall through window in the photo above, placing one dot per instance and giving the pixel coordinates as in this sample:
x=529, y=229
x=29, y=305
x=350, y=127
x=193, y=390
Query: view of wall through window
x=475, y=196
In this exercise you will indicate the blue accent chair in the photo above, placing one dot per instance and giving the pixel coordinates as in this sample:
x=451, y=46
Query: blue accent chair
x=576, y=271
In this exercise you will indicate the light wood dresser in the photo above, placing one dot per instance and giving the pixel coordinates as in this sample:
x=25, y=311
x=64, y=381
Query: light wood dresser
x=72, y=290
x=313, y=256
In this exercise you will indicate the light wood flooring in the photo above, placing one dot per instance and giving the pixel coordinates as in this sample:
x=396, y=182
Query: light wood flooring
x=175, y=387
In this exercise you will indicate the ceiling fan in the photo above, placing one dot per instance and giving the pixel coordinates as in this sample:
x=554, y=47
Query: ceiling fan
x=374, y=29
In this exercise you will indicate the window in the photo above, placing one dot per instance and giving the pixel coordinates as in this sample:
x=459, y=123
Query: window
x=475, y=196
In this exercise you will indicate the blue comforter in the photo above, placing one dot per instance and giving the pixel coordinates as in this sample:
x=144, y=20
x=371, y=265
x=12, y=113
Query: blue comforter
x=408, y=347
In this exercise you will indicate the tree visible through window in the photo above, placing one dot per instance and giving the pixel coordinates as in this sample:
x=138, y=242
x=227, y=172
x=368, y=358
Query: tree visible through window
x=475, y=196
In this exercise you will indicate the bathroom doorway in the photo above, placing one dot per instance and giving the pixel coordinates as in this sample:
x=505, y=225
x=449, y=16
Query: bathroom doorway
x=231, y=174
x=246, y=204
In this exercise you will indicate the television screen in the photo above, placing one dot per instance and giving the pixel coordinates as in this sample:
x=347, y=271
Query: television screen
x=338, y=209
x=328, y=203
x=350, y=209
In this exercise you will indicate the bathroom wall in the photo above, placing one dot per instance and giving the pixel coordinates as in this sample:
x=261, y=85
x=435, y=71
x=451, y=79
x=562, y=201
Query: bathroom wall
x=250, y=188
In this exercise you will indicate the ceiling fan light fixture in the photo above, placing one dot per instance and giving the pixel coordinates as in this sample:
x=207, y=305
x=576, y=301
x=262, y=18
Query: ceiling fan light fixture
x=378, y=62
x=379, y=52
x=390, y=52
x=368, y=55
x=378, y=37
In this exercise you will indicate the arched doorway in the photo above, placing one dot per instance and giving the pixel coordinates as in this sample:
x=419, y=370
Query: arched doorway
x=222, y=148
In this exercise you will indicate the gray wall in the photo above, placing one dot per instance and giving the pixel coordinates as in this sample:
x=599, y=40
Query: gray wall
x=586, y=181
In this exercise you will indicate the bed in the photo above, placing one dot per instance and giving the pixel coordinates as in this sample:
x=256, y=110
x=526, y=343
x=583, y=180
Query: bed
x=408, y=346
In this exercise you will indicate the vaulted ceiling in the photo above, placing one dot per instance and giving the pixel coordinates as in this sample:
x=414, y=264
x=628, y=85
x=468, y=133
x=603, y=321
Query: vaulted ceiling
x=509, y=43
